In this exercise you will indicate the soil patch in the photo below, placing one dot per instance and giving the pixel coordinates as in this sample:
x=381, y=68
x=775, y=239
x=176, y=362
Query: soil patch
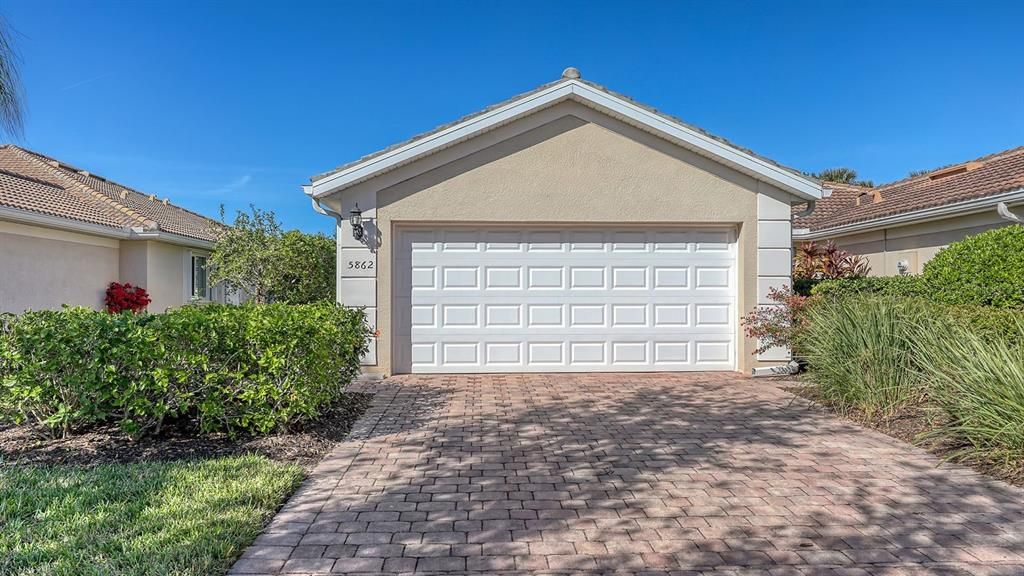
x=304, y=445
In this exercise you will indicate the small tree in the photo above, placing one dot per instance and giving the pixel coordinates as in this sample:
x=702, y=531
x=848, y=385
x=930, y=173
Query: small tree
x=244, y=256
x=776, y=325
x=255, y=257
x=308, y=265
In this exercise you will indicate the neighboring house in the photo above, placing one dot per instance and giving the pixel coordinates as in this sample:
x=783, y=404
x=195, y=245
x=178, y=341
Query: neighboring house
x=66, y=234
x=900, y=226
x=567, y=229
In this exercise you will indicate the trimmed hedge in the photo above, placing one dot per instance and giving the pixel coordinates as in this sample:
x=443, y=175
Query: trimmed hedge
x=226, y=368
x=985, y=269
x=896, y=286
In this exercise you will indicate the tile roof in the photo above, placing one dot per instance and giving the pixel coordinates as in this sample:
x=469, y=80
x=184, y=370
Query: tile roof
x=986, y=176
x=541, y=88
x=37, y=183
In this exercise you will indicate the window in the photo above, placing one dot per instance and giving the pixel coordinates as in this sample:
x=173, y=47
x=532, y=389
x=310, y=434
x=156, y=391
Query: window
x=200, y=283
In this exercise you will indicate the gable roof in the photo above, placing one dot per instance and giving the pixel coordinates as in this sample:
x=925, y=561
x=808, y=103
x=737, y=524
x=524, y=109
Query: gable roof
x=36, y=183
x=985, y=177
x=569, y=87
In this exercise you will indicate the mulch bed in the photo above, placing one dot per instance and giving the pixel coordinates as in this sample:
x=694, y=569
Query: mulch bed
x=909, y=425
x=304, y=445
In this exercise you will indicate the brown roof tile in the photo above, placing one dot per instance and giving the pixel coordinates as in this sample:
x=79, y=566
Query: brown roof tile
x=35, y=182
x=986, y=176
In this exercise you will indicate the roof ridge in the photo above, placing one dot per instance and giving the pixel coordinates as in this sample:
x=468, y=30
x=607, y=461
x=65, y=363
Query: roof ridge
x=28, y=178
x=928, y=173
x=568, y=79
x=108, y=180
x=92, y=192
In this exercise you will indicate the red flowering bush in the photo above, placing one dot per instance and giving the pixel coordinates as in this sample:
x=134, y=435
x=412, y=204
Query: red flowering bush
x=121, y=297
x=776, y=325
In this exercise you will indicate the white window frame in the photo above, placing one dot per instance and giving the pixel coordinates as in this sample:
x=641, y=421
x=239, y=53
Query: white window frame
x=190, y=277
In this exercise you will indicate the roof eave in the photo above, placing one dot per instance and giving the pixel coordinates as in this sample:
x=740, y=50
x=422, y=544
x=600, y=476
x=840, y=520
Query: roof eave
x=796, y=184
x=60, y=223
x=972, y=206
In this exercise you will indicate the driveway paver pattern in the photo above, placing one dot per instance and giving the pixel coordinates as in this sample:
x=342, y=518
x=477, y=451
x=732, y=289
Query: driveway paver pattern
x=646, y=474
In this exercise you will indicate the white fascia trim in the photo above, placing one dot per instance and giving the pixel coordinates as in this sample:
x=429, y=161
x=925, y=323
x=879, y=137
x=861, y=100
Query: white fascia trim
x=170, y=238
x=795, y=184
x=49, y=221
x=917, y=216
x=447, y=137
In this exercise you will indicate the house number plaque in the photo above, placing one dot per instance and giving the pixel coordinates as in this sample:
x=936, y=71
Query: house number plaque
x=358, y=265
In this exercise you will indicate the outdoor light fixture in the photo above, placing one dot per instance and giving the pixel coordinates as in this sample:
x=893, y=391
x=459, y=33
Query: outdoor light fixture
x=355, y=217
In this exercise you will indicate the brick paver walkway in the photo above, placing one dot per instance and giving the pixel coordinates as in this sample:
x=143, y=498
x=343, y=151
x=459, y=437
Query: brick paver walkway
x=648, y=474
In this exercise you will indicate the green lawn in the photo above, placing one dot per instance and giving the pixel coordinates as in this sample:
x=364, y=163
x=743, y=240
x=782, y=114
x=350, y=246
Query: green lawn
x=187, y=518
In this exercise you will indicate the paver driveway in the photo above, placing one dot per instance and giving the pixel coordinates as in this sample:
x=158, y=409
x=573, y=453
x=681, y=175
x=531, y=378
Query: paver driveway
x=631, y=473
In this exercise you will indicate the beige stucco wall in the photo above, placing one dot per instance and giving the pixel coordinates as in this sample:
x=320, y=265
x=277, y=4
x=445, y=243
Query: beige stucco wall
x=585, y=168
x=166, y=282
x=916, y=243
x=43, y=268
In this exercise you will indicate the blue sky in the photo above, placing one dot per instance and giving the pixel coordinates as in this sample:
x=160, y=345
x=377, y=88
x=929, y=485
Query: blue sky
x=234, y=103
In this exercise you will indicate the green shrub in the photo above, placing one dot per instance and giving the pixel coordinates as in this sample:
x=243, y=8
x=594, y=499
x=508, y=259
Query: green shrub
x=262, y=367
x=984, y=269
x=66, y=368
x=988, y=323
x=891, y=286
x=979, y=382
x=228, y=368
x=860, y=352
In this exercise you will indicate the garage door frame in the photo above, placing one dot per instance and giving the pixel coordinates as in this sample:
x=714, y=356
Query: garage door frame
x=403, y=364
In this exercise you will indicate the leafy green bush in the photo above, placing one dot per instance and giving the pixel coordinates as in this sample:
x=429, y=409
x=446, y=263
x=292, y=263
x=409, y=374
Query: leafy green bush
x=860, y=352
x=988, y=323
x=979, y=382
x=892, y=286
x=261, y=367
x=984, y=269
x=66, y=368
x=227, y=368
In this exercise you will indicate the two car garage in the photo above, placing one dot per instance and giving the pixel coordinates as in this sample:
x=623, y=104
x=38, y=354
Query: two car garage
x=568, y=229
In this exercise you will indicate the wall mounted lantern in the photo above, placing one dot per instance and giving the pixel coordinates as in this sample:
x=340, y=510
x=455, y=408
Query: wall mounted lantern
x=355, y=217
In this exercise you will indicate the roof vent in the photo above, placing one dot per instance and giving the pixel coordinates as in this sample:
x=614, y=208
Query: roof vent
x=166, y=200
x=954, y=170
x=152, y=197
x=124, y=194
x=83, y=172
x=571, y=73
x=53, y=163
x=871, y=197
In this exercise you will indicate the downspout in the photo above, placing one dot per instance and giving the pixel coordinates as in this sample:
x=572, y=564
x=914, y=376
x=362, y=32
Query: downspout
x=811, y=205
x=1004, y=212
x=320, y=208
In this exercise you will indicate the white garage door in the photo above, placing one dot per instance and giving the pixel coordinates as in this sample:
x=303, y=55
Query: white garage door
x=507, y=299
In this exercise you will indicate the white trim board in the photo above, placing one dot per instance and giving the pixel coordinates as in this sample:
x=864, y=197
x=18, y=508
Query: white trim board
x=740, y=160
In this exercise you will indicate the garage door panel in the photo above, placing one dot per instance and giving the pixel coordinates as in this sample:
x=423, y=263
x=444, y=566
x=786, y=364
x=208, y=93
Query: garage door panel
x=493, y=300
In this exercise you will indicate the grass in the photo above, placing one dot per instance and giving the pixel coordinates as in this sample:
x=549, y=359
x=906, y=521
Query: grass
x=979, y=383
x=861, y=353
x=182, y=518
